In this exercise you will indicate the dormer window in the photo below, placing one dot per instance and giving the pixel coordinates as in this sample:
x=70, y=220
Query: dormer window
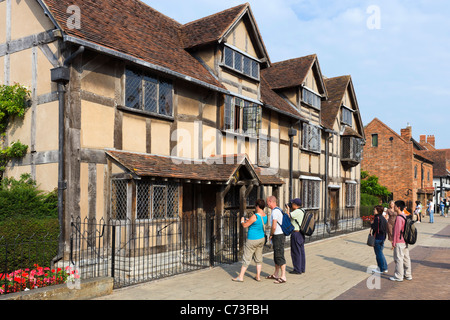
x=240, y=62
x=347, y=116
x=311, y=98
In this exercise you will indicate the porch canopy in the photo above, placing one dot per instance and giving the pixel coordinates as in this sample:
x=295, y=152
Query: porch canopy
x=224, y=169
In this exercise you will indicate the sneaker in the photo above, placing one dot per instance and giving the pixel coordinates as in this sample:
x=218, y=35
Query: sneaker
x=376, y=271
x=395, y=279
x=408, y=278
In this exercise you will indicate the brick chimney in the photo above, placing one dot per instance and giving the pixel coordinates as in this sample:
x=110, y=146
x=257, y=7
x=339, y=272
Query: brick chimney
x=407, y=133
x=423, y=139
x=431, y=140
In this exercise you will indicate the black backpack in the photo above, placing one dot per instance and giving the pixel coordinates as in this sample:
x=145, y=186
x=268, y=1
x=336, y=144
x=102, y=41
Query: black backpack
x=308, y=224
x=409, y=232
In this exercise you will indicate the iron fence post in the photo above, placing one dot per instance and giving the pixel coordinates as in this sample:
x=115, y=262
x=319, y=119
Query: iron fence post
x=212, y=239
x=113, y=250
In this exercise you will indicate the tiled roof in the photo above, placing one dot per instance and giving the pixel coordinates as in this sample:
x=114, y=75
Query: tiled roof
x=351, y=132
x=330, y=109
x=133, y=28
x=289, y=73
x=211, y=28
x=272, y=99
x=214, y=169
x=440, y=157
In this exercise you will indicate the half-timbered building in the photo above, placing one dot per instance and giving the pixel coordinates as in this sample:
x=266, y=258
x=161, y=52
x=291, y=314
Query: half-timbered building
x=137, y=117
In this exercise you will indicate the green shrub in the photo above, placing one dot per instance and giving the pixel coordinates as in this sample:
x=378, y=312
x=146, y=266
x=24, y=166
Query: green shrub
x=26, y=241
x=368, y=200
x=22, y=198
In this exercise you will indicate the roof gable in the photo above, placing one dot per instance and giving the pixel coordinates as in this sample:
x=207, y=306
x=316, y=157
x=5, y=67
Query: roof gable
x=216, y=28
x=337, y=89
x=292, y=73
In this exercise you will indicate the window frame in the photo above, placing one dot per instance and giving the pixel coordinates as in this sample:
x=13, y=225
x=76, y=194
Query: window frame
x=236, y=118
x=145, y=79
x=311, y=92
x=238, y=55
x=308, y=130
x=170, y=190
x=375, y=139
x=311, y=192
x=350, y=194
x=347, y=114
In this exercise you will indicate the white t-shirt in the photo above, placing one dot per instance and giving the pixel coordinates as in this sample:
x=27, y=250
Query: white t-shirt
x=277, y=215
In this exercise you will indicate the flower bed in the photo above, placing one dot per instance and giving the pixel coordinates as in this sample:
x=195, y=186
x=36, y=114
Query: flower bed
x=26, y=279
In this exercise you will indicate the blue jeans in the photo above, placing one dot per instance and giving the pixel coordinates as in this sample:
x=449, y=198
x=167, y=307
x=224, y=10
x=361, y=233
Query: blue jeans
x=381, y=260
x=431, y=216
x=442, y=210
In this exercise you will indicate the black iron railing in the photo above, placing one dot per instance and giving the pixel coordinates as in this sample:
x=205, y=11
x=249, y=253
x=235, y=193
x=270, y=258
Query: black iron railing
x=144, y=250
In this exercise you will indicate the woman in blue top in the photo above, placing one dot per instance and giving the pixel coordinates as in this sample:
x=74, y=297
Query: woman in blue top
x=255, y=240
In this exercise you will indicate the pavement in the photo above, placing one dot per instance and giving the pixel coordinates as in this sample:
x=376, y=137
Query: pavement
x=336, y=269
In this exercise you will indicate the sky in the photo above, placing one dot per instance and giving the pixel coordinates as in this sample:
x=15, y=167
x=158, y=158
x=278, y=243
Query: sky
x=397, y=51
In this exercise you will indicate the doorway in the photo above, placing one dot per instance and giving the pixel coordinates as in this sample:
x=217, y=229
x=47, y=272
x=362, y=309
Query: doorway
x=334, y=207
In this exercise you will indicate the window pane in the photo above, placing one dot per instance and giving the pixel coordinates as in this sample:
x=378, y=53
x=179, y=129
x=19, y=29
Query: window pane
x=172, y=200
x=133, y=89
x=143, y=200
x=237, y=113
x=151, y=94
x=228, y=53
x=247, y=66
x=165, y=98
x=375, y=140
x=255, y=69
x=119, y=199
x=238, y=61
x=159, y=202
x=228, y=113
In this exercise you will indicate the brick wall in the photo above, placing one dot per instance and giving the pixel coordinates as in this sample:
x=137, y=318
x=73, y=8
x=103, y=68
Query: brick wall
x=393, y=161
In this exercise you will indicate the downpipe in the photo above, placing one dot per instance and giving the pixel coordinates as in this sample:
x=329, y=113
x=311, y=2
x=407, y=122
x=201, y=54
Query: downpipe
x=60, y=75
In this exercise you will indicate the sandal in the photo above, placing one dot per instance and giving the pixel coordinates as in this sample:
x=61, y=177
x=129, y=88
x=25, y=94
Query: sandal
x=256, y=279
x=237, y=280
x=272, y=277
x=279, y=280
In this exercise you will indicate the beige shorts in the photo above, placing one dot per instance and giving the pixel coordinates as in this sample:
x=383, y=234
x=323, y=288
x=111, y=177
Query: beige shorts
x=253, y=249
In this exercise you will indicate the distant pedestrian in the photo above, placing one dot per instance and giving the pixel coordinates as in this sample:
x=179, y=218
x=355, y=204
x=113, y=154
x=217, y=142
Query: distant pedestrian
x=418, y=211
x=442, y=207
x=391, y=220
x=447, y=206
x=379, y=230
x=297, y=238
x=401, y=251
x=430, y=210
x=254, y=245
x=278, y=239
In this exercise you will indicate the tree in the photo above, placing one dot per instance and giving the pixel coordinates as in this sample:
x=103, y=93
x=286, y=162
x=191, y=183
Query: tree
x=370, y=185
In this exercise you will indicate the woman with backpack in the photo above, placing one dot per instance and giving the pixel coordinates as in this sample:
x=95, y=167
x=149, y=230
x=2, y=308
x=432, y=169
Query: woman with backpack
x=379, y=230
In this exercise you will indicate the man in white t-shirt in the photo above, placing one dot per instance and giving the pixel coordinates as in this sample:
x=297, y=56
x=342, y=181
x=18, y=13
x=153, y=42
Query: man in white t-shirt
x=278, y=238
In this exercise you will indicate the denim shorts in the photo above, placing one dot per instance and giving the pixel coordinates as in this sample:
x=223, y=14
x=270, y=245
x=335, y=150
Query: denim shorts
x=278, y=249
